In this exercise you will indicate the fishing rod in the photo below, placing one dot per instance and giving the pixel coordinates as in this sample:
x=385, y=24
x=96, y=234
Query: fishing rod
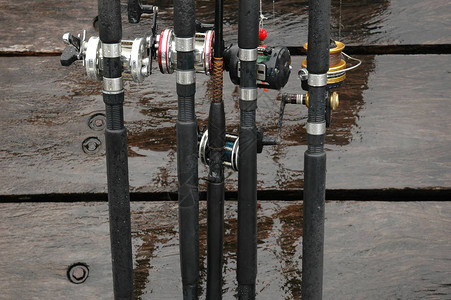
x=187, y=169
x=109, y=69
x=250, y=64
x=110, y=33
x=322, y=71
x=315, y=156
x=191, y=47
x=247, y=165
x=215, y=182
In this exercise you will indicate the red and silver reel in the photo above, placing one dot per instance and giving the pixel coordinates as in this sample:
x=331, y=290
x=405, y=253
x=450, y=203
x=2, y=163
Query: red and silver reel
x=203, y=52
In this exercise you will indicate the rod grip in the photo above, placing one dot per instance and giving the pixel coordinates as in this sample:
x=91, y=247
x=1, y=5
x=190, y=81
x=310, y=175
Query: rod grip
x=313, y=224
x=187, y=171
x=318, y=36
x=215, y=237
x=119, y=212
x=247, y=207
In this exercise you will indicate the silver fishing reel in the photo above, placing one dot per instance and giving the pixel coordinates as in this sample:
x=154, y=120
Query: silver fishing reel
x=134, y=56
x=167, y=54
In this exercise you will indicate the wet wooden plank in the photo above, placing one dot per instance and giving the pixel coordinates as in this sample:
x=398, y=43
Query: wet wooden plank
x=372, y=250
x=390, y=130
x=399, y=136
x=378, y=250
x=37, y=26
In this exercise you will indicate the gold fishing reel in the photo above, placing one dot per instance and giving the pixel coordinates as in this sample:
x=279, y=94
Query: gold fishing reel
x=335, y=77
x=337, y=66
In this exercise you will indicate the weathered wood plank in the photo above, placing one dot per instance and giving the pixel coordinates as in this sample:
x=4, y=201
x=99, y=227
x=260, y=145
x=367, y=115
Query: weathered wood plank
x=374, y=250
x=399, y=136
x=37, y=26
x=390, y=130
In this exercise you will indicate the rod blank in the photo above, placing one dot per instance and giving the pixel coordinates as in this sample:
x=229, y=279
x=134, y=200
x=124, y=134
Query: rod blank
x=110, y=32
x=187, y=159
x=247, y=165
x=315, y=156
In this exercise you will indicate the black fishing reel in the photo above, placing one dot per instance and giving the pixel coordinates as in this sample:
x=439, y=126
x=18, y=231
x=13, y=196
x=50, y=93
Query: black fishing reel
x=273, y=66
x=231, y=149
x=135, y=9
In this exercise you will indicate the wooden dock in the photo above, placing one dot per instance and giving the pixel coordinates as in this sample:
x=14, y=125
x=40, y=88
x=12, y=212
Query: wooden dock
x=390, y=132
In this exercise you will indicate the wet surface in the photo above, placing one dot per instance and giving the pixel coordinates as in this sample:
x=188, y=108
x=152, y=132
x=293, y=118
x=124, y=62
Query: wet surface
x=39, y=25
x=36, y=25
x=382, y=250
x=390, y=130
x=373, y=250
x=46, y=108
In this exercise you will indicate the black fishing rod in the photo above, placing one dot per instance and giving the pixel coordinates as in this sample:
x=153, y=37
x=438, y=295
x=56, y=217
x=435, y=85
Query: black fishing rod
x=215, y=185
x=315, y=156
x=187, y=159
x=177, y=50
x=110, y=33
x=247, y=164
x=106, y=58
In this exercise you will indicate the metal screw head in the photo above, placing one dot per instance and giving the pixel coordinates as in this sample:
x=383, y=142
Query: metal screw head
x=66, y=38
x=303, y=74
x=91, y=145
x=97, y=122
x=78, y=273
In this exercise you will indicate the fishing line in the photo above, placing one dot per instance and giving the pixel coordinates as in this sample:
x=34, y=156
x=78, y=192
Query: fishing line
x=359, y=62
x=264, y=96
x=262, y=17
x=273, y=10
x=339, y=23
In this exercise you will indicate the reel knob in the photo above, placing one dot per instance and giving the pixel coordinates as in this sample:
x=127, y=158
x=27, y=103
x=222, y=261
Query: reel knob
x=69, y=56
x=73, y=51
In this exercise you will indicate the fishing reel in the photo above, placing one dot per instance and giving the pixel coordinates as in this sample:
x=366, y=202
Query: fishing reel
x=337, y=67
x=231, y=148
x=335, y=78
x=203, y=51
x=135, y=56
x=332, y=103
x=273, y=66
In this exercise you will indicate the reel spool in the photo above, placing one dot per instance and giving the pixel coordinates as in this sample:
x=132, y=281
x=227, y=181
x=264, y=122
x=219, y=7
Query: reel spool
x=135, y=60
x=337, y=67
x=203, y=51
x=231, y=150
